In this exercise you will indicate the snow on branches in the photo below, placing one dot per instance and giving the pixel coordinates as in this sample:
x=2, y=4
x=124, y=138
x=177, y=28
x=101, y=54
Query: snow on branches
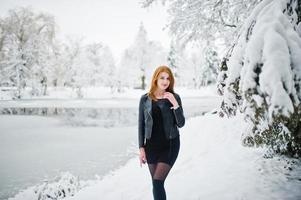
x=262, y=77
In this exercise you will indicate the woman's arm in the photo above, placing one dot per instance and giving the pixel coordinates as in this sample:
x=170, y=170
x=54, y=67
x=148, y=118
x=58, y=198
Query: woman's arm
x=141, y=124
x=178, y=112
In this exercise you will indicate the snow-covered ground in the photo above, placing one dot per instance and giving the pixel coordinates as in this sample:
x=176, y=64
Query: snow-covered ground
x=84, y=130
x=212, y=164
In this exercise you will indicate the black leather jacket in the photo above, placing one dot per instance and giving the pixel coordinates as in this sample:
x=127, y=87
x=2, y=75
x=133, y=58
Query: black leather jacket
x=172, y=119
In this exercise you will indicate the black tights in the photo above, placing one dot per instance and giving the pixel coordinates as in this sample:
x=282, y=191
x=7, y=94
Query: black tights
x=159, y=172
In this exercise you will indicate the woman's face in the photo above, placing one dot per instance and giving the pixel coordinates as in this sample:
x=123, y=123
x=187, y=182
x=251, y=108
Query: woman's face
x=163, y=81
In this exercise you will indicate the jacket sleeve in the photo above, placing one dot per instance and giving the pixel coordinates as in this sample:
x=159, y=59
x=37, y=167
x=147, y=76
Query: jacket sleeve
x=178, y=113
x=141, y=124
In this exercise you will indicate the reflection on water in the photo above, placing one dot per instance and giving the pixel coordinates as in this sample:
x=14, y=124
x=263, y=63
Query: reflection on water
x=104, y=117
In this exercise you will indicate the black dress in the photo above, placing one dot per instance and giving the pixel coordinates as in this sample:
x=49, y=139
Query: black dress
x=158, y=148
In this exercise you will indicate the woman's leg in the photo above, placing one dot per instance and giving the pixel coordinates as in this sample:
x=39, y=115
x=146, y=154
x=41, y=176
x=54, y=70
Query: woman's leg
x=152, y=168
x=160, y=174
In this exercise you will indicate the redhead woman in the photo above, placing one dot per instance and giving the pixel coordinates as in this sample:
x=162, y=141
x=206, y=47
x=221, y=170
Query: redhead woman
x=160, y=117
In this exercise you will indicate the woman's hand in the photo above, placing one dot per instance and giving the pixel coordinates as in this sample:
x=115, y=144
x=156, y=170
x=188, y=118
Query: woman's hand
x=142, y=156
x=171, y=98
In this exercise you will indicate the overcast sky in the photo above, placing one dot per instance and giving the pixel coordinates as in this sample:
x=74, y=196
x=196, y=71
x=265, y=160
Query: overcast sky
x=114, y=22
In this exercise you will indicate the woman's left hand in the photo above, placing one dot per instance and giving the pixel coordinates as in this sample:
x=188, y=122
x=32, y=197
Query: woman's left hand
x=171, y=98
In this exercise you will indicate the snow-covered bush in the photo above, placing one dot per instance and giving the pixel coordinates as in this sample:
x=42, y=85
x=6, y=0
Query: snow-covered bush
x=65, y=185
x=262, y=77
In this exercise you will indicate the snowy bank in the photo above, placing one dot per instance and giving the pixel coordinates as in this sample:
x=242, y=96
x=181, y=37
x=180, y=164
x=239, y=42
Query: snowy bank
x=212, y=164
x=104, y=93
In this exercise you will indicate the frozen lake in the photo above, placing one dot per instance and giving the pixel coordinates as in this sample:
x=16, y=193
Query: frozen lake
x=34, y=147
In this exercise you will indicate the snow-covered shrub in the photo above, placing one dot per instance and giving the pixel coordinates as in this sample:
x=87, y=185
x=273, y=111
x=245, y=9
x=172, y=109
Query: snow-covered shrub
x=65, y=185
x=262, y=77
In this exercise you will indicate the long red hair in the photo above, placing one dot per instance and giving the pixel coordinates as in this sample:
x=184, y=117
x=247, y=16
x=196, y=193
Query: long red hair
x=155, y=78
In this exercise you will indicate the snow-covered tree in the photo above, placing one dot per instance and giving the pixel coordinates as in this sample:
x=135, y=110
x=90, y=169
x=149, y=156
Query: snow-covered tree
x=197, y=20
x=126, y=72
x=31, y=57
x=134, y=60
x=139, y=60
x=78, y=65
x=57, y=63
x=180, y=63
x=109, y=70
x=76, y=71
x=205, y=62
x=210, y=65
x=174, y=58
x=261, y=77
x=158, y=56
x=26, y=43
x=202, y=23
x=93, y=54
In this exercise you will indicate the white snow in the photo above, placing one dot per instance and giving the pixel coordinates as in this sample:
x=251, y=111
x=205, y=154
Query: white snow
x=212, y=164
x=98, y=97
x=106, y=93
x=272, y=48
x=84, y=129
x=37, y=148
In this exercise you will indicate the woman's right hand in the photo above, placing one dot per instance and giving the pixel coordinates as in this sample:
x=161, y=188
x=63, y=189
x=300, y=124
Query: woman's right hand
x=142, y=156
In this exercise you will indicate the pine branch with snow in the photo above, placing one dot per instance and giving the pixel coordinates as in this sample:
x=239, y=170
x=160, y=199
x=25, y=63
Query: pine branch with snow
x=263, y=77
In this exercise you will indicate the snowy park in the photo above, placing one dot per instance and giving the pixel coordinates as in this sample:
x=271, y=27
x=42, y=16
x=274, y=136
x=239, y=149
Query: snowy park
x=73, y=76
